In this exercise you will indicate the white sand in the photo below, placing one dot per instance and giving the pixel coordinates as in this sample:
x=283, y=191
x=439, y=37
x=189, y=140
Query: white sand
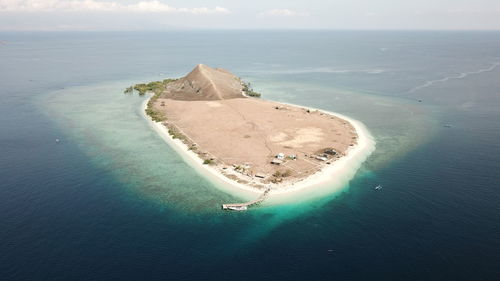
x=332, y=178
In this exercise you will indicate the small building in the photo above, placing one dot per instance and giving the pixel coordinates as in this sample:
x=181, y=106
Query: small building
x=276, y=162
x=321, y=158
x=280, y=156
x=330, y=151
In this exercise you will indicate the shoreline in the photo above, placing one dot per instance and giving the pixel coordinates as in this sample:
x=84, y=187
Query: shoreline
x=328, y=180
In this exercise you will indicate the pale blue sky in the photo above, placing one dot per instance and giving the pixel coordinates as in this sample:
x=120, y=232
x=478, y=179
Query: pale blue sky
x=250, y=14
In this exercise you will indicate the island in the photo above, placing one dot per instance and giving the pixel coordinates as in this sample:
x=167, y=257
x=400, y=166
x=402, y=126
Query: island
x=254, y=144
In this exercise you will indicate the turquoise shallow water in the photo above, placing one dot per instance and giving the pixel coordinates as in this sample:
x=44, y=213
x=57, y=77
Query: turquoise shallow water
x=112, y=201
x=110, y=128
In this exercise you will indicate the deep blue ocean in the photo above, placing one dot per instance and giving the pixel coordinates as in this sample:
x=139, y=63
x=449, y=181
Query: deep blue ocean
x=111, y=200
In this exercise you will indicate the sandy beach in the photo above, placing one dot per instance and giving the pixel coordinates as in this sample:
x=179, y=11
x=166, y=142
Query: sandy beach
x=330, y=179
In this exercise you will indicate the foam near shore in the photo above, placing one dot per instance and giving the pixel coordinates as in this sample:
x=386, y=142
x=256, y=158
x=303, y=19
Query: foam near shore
x=330, y=179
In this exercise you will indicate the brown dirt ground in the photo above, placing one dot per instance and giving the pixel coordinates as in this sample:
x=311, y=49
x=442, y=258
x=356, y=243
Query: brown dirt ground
x=250, y=132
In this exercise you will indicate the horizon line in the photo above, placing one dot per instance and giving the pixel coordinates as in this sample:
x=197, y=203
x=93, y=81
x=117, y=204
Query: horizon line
x=248, y=29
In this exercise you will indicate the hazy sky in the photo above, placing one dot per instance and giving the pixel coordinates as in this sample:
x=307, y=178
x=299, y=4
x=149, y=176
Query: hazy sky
x=249, y=14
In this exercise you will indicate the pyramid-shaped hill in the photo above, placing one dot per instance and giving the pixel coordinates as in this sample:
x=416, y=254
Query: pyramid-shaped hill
x=205, y=83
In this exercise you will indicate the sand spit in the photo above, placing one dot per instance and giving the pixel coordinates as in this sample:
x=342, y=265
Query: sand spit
x=249, y=145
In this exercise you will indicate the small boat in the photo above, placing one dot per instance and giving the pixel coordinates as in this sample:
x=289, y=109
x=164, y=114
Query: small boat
x=447, y=125
x=378, y=187
x=236, y=208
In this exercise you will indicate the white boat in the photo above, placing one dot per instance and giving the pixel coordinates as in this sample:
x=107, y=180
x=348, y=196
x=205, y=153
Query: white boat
x=237, y=208
x=378, y=187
